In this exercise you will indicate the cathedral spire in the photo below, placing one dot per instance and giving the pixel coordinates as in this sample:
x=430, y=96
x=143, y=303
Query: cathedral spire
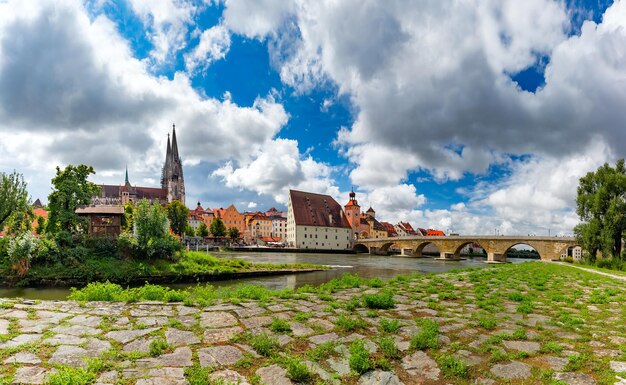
x=126, y=178
x=174, y=144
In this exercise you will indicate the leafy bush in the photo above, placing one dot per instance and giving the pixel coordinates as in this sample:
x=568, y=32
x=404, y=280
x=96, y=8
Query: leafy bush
x=428, y=336
x=98, y=291
x=21, y=249
x=382, y=300
x=359, y=360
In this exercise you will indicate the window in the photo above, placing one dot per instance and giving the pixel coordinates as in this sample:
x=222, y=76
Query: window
x=326, y=236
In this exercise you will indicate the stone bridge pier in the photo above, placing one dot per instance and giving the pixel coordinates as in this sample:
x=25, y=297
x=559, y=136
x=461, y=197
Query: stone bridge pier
x=450, y=247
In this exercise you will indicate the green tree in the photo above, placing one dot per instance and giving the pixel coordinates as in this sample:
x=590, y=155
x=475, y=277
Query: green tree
x=128, y=219
x=189, y=231
x=13, y=196
x=151, y=222
x=218, y=229
x=153, y=239
x=601, y=206
x=233, y=233
x=71, y=189
x=177, y=213
x=21, y=221
x=203, y=231
x=41, y=225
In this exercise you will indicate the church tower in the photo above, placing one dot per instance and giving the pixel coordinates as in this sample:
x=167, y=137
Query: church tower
x=172, y=174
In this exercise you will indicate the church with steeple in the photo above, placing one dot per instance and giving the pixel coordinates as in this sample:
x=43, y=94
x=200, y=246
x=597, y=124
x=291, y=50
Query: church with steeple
x=172, y=182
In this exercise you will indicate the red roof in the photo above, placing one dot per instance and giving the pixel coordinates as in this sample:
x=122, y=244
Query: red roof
x=390, y=229
x=317, y=210
x=434, y=233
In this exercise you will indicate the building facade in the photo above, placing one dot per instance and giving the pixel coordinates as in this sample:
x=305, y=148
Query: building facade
x=316, y=221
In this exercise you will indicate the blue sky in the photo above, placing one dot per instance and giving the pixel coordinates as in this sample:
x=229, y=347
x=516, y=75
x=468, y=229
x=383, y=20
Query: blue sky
x=462, y=125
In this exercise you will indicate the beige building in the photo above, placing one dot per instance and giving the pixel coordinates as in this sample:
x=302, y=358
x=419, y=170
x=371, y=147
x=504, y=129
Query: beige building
x=316, y=221
x=279, y=228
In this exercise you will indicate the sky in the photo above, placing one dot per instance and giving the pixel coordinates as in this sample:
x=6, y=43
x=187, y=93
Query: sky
x=469, y=116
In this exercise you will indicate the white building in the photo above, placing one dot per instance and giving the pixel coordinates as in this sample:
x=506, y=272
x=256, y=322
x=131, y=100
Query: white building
x=575, y=252
x=316, y=221
x=279, y=227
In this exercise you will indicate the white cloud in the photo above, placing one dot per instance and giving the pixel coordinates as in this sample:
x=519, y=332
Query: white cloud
x=214, y=45
x=168, y=21
x=276, y=168
x=71, y=85
x=256, y=18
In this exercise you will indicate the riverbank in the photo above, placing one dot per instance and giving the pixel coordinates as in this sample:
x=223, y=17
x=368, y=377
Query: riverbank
x=531, y=323
x=189, y=267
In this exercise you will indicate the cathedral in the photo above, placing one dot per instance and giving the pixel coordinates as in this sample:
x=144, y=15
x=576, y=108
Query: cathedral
x=172, y=183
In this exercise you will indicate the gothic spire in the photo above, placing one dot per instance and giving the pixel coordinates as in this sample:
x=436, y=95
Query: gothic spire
x=126, y=178
x=174, y=145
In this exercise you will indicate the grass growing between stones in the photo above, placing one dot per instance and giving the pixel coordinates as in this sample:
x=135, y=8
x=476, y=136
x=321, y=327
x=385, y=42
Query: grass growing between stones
x=462, y=327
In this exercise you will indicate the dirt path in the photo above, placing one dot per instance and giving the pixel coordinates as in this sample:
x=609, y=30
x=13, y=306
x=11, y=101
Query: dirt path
x=616, y=276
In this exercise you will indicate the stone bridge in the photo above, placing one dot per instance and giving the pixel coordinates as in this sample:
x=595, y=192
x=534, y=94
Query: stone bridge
x=549, y=248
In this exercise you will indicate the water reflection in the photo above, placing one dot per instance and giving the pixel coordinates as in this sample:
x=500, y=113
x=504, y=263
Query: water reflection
x=363, y=265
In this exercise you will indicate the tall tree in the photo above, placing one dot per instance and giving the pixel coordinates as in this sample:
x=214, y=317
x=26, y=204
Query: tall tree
x=151, y=223
x=177, y=213
x=601, y=205
x=13, y=196
x=70, y=190
x=128, y=220
x=218, y=229
x=203, y=231
x=233, y=233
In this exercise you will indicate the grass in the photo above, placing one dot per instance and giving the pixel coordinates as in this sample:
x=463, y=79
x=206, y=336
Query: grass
x=452, y=366
x=197, y=375
x=360, y=360
x=263, y=343
x=427, y=337
x=280, y=326
x=382, y=300
x=297, y=370
x=71, y=376
x=389, y=325
x=349, y=324
x=157, y=347
x=322, y=351
x=388, y=347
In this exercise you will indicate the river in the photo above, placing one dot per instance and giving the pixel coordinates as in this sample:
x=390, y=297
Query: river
x=364, y=265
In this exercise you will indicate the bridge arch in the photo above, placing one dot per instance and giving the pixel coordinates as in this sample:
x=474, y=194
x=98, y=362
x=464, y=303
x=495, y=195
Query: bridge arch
x=459, y=248
x=361, y=248
x=420, y=252
x=523, y=243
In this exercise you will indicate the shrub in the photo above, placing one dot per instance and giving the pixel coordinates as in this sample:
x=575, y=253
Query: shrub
x=263, y=343
x=382, y=300
x=428, y=336
x=297, y=370
x=98, y=291
x=21, y=249
x=359, y=360
x=279, y=326
x=353, y=304
x=350, y=323
x=389, y=325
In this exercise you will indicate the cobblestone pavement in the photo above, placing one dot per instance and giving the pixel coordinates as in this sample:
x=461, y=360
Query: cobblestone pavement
x=522, y=324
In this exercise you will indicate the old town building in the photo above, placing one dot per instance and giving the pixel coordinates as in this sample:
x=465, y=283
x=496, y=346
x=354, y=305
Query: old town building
x=316, y=221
